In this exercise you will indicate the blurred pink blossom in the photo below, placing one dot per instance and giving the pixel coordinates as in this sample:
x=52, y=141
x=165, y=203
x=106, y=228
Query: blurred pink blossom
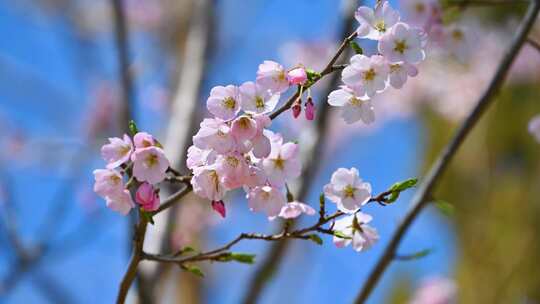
x=436, y=290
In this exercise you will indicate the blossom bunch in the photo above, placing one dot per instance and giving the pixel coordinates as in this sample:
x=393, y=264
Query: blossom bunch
x=141, y=158
x=400, y=48
x=235, y=149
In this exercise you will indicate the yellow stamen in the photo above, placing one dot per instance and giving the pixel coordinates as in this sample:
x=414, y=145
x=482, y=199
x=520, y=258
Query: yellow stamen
x=229, y=103
x=259, y=102
x=369, y=75
x=349, y=191
x=400, y=46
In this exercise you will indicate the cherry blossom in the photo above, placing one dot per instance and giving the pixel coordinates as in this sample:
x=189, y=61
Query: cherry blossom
x=272, y=76
x=347, y=190
x=356, y=232
x=295, y=209
x=120, y=202
x=107, y=182
x=436, y=290
x=143, y=140
x=232, y=169
x=283, y=162
x=117, y=152
x=256, y=99
x=147, y=197
x=374, y=23
x=150, y=164
x=296, y=109
x=403, y=44
x=534, y=127
x=399, y=72
x=261, y=142
x=297, y=76
x=355, y=107
x=214, y=134
x=366, y=74
x=207, y=183
x=224, y=102
x=267, y=199
x=197, y=157
x=244, y=128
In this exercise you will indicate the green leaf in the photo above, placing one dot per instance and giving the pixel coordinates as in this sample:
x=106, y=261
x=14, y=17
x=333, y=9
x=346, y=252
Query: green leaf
x=133, y=128
x=147, y=216
x=404, y=185
x=193, y=269
x=356, y=47
x=445, y=207
x=185, y=250
x=315, y=238
x=245, y=258
x=340, y=234
x=415, y=256
x=312, y=75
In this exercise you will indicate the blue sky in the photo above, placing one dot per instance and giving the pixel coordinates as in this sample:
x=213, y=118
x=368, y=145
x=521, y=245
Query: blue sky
x=44, y=90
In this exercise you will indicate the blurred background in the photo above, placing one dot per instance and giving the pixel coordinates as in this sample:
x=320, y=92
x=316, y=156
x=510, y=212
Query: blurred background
x=73, y=72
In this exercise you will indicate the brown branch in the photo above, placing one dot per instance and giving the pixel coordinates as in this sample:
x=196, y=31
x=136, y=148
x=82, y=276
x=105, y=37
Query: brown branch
x=534, y=44
x=171, y=200
x=131, y=273
x=425, y=189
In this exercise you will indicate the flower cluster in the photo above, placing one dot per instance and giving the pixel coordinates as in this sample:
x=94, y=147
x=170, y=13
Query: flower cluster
x=142, y=158
x=235, y=149
x=400, y=49
x=350, y=193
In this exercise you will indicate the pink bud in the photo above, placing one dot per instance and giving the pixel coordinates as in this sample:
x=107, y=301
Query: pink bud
x=219, y=207
x=143, y=140
x=147, y=197
x=296, y=109
x=297, y=76
x=310, y=109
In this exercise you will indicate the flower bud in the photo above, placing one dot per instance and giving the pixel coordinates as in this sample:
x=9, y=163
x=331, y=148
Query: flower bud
x=310, y=109
x=297, y=108
x=219, y=207
x=147, y=197
x=297, y=76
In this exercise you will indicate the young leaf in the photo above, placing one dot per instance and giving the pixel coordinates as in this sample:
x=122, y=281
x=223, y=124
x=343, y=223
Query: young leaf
x=340, y=234
x=312, y=75
x=243, y=257
x=356, y=47
x=185, y=250
x=133, y=128
x=415, y=256
x=404, y=185
x=147, y=216
x=193, y=269
x=445, y=207
x=315, y=238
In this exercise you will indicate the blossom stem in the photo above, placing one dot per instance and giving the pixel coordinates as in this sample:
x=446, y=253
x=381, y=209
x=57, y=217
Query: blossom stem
x=422, y=196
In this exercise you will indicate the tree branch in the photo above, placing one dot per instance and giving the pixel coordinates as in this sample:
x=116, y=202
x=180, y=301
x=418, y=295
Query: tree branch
x=425, y=189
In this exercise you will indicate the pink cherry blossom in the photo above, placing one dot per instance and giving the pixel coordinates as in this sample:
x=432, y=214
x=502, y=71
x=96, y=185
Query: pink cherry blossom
x=150, y=164
x=459, y=42
x=120, y=202
x=347, y=190
x=147, y=197
x=403, y=44
x=399, y=72
x=244, y=128
x=283, y=162
x=267, y=199
x=295, y=209
x=272, y=76
x=108, y=182
x=143, y=140
x=233, y=170
x=354, y=227
x=224, y=102
x=256, y=177
x=261, y=142
x=366, y=74
x=214, y=134
x=422, y=13
x=374, y=23
x=207, y=183
x=297, y=76
x=534, y=127
x=436, y=290
x=355, y=107
x=256, y=99
x=117, y=152
x=197, y=157
x=310, y=109
x=296, y=109
x=219, y=207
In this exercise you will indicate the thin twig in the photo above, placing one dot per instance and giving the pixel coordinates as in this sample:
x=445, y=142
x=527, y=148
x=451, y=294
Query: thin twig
x=534, y=44
x=425, y=189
